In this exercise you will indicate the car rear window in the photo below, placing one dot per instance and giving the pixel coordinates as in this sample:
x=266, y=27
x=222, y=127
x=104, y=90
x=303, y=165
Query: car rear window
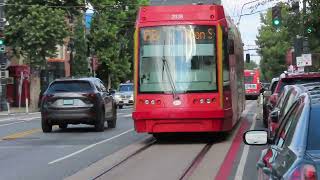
x=314, y=129
x=292, y=81
x=70, y=86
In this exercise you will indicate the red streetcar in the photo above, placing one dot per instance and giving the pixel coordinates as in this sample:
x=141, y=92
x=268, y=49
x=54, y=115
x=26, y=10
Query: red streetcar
x=252, y=83
x=188, y=70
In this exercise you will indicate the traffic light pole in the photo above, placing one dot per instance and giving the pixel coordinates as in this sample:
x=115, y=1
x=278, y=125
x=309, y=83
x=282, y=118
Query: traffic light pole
x=305, y=47
x=3, y=62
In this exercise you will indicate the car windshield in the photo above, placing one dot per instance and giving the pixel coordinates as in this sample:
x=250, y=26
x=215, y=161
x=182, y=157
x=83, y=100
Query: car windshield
x=70, y=86
x=125, y=88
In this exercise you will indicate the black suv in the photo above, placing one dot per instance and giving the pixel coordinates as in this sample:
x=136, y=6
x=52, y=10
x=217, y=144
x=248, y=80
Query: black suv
x=76, y=101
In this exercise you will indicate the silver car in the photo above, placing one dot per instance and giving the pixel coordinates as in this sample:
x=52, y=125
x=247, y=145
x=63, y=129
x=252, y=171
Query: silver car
x=124, y=95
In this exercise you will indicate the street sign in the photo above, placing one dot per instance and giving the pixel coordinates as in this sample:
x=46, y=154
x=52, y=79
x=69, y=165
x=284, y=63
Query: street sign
x=307, y=59
x=304, y=60
x=299, y=61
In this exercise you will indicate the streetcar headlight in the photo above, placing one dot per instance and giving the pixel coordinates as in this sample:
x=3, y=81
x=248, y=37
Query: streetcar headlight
x=208, y=101
x=201, y=101
x=153, y=102
x=147, y=101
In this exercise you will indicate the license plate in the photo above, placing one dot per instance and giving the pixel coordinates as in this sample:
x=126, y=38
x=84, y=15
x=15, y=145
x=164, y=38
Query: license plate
x=67, y=102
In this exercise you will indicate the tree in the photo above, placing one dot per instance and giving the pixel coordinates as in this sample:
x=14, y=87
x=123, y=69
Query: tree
x=251, y=65
x=112, y=38
x=80, y=62
x=274, y=44
x=35, y=29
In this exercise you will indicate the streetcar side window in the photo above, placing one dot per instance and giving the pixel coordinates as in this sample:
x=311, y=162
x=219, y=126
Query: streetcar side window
x=225, y=56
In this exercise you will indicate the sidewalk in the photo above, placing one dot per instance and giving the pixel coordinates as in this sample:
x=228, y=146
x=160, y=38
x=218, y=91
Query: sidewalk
x=18, y=111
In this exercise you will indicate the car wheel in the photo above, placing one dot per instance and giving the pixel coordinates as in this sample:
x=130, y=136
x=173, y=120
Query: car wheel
x=46, y=126
x=63, y=126
x=99, y=125
x=120, y=106
x=113, y=122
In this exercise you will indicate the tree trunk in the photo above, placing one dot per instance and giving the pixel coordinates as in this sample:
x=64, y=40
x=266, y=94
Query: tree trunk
x=34, y=91
x=109, y=81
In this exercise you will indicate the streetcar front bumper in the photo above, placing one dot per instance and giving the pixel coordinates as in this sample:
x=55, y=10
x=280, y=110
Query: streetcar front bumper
x=182, y=121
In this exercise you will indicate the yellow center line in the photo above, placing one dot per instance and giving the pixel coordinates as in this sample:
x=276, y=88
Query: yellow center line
x=20, y=134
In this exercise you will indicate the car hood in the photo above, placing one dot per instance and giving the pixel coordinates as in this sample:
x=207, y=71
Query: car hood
x=124, y=93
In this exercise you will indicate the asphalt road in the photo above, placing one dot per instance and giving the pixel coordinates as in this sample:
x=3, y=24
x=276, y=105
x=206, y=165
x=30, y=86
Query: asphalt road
x=27, y=153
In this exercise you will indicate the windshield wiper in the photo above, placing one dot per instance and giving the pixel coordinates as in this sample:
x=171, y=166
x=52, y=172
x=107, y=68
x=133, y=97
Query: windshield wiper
x=165, y=66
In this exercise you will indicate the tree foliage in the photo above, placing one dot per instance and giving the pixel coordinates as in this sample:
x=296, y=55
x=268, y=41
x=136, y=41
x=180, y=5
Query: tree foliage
x=35, y=31
x=112, y=32
x=251, y=65
x=273, y=44
x=80, y=62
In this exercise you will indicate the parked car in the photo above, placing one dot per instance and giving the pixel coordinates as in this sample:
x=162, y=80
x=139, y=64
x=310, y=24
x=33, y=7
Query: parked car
x=287, y=79
x=266, y=96
x=124, y=96
x=75, y=101
x=288, y=96
x=294, y=152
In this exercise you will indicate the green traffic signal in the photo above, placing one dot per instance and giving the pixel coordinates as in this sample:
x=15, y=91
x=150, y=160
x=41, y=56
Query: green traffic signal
x=276, y=22
x=1, y=42
x=276, y=16
x=309, y=30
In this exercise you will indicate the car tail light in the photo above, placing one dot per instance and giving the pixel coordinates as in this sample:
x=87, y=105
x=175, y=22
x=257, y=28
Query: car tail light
x=91, y=96
x=304, y=172
x=47, y=97
x=267, y=157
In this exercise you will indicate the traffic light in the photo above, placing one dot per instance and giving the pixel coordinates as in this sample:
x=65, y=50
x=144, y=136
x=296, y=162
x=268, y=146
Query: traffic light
x=276, y=16
x=247, y=58
x=2, y=45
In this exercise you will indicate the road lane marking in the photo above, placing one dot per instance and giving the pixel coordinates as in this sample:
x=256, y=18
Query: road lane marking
x=21, y=134
x=245, y=152
x=228, y=162
x=20, y=121
x=127, y=115
x=29, y=119
x=89, y=147
x=7, y=119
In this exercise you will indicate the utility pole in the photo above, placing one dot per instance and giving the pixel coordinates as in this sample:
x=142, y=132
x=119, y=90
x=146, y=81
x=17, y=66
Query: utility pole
x=3, y=60
x=305, y=47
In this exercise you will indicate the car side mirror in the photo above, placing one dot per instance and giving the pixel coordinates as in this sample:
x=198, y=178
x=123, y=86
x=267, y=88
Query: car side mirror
x=255, y=137
x=274, y=115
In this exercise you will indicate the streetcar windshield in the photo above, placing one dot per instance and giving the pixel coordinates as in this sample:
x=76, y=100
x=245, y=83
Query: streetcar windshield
x=248, y=79
x=189, y=52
